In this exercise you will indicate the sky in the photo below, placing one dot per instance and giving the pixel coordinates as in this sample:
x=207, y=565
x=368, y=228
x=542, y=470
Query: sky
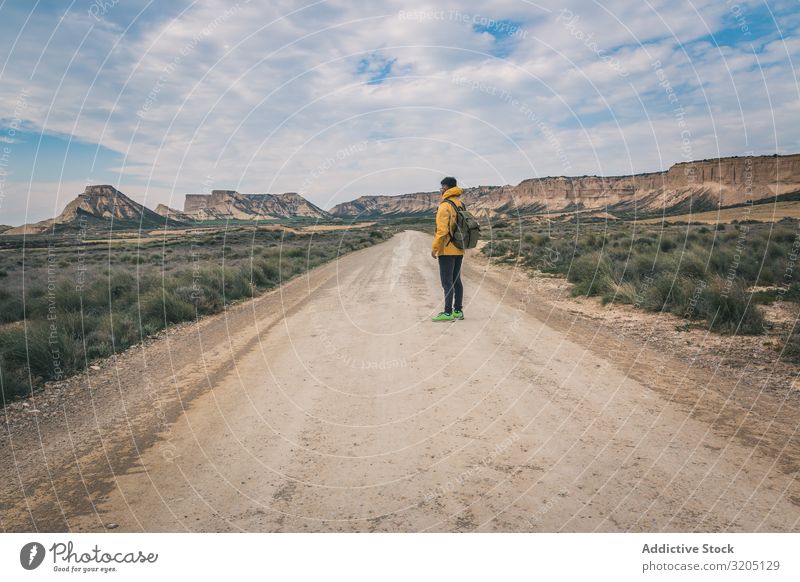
x=335, y=99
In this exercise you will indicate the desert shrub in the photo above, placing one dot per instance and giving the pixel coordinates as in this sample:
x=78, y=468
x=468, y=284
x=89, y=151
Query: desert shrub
x=791, y=346
x=188, y=293
x=110, y=333
x=537, y=240
x=264, y=273
x=496, y=248
x=658, y=294
x=783, y=235
x=14, y=382
x=159, y=308
x=720, y=260
x=620, y=293
x=690, y=263
x=640, y=265
x=104, y=293
x=619, y=256
x=777, y=251
x=11, y=308
x=120, y=283
x=729, y=236
x=591, y=274
x=667, y=244
x=44, y=349
x=682, y=294
x=67, y=296
x=727, y=307
x=300, y=252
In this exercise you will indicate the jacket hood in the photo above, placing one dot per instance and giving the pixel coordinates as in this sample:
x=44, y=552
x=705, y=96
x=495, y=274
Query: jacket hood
x=454, y=191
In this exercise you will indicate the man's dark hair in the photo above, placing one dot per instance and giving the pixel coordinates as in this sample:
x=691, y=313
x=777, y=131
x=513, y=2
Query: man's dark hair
x=450, y=182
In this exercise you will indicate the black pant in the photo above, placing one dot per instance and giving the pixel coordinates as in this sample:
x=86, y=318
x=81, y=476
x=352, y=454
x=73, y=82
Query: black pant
x=450, y=274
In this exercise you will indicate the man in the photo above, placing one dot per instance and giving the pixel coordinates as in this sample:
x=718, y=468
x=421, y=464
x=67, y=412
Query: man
x=449, y=255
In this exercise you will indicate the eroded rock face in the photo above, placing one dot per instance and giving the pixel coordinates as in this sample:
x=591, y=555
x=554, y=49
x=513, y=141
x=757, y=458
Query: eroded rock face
x=229, y=204
x=96, y=204
x=105, y=202
x=167, y=212
x=100, y=190
x=478, y=199
x=725, y=181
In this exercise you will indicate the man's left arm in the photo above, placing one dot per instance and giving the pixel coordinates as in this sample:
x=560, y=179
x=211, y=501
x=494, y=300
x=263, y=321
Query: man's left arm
x=442, y=230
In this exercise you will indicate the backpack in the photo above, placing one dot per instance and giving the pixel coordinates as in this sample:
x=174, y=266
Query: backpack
x=467, y=230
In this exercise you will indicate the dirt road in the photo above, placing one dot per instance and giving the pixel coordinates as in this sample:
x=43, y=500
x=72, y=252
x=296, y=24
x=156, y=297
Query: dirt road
x=335, y=404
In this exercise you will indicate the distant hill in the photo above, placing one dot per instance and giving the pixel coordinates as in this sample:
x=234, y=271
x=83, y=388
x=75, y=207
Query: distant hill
x=104, y=206
x=99, y=206
x=231, y=205
x=690, y=186
x=685, y=187
x=413, y=204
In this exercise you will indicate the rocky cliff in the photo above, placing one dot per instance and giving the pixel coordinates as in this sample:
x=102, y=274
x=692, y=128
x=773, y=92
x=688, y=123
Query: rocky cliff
x=231, y=205
x=479, y=198
x=107, y=203
x=98, y=206
x=692, y=185
x=699, y=185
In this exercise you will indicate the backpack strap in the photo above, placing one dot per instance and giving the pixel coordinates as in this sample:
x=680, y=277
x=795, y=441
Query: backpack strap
x=455, y=206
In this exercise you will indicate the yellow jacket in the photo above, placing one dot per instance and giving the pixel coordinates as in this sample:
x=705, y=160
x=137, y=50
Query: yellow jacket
x=446, y=222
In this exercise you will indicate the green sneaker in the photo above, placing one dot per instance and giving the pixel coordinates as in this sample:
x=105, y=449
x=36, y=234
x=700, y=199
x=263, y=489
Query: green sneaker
x=443, y=317
x=458, y=314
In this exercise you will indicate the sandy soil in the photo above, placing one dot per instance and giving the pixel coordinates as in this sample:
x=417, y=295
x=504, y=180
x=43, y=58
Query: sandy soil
x=334, y=404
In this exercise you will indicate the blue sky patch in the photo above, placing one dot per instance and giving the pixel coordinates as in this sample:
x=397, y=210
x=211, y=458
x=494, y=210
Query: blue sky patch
x=745, y=24
x=376, y=68
x=50, y=157
x=504, y=32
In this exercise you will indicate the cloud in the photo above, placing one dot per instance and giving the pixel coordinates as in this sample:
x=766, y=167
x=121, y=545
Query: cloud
x=258, y=95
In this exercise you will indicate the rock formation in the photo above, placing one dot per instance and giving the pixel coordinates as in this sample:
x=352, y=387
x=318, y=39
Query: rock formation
x=416, y=203
x=167, y=212
x=97, y=206
x=693, y=185
x=700, y=185
x=231, y=205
